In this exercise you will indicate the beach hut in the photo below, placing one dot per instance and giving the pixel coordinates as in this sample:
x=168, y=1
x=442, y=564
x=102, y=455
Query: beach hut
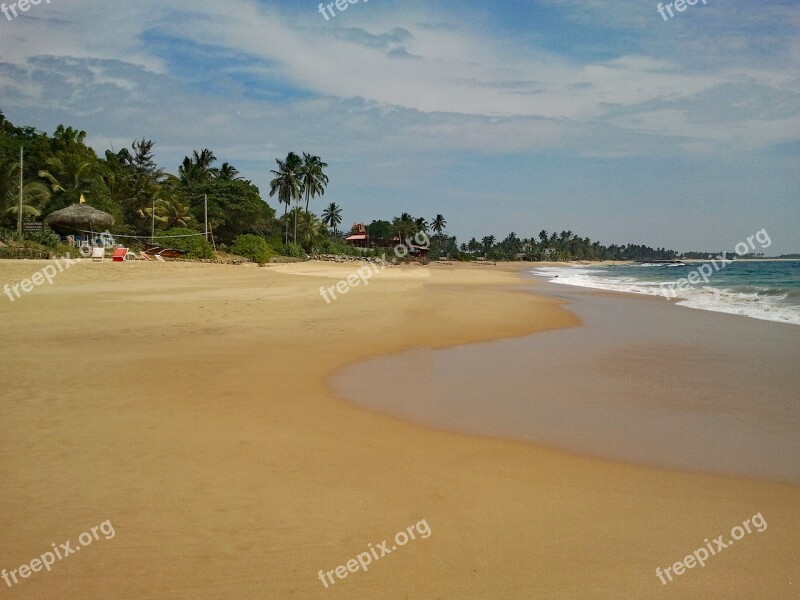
x=80, y=217
x=358, y=236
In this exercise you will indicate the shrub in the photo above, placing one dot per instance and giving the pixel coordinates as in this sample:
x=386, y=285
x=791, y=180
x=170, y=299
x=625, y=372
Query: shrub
x=46, y=237
x=253, y=247
x=196, y=246
x=294, y=250
x=334, y=246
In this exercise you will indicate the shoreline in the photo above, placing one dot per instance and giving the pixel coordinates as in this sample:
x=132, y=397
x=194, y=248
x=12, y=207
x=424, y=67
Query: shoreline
x=187, y=404
x=729, y=295
x=713, y=437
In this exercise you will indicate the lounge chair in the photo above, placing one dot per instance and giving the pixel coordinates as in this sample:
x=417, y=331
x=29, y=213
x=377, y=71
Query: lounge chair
x=98, y=254
x=160, y=258
x=144, y=256
x=119, y=254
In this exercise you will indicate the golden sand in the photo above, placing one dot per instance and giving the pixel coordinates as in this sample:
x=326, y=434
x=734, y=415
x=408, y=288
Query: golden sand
x=186, y=404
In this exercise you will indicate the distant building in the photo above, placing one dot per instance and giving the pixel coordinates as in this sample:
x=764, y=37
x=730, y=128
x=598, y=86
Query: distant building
x=358, y=237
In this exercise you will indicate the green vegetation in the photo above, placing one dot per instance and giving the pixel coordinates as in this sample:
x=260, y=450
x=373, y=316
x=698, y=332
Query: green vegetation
x=146, y=200
x=562, y=246
x=183, y=238
x=253, y=247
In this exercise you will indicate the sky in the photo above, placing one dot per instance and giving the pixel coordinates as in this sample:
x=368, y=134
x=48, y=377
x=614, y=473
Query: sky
x=596, y=116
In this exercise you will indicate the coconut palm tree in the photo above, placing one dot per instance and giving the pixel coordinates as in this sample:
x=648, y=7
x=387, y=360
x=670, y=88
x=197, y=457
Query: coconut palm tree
x=118, y=186
x=204, y=159
x=69, y=176
x=310, y=227
x=9, y=182
x=171, y=212
x=227, y=172
x=404, y=226
x=197, y=169
x=332, y=217
x=439, y=225
x=313, y=176
x=421, y=225
x=488, y=242
x=35, y=195
x=288, y=184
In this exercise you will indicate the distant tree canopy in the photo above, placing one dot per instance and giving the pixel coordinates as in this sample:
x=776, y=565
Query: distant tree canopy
x=235, y=207
x=127, y=183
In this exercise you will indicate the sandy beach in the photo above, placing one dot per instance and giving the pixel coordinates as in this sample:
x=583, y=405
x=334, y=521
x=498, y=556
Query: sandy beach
x=188, y=404
x=644, y=380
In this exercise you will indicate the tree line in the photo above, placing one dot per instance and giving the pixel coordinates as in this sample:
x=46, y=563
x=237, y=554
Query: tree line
x=145, y=199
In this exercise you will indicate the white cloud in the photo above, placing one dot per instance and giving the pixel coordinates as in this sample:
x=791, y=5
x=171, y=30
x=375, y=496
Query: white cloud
x=455, y=71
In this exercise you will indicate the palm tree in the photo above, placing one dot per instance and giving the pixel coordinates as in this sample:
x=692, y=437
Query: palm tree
x=189, y=173
x=421, y=225
x=310, y=227
x=171, y=212
x=204, y=159
x=488, y=242
x=439, y=225
x=69, y=175
x=313, y=176
x=404, y=226
x=35, y=195
x=332, y=217
x=227, y=172
x=9, y=182
x=288, y=184
x=119, y=188
x=512, y=244
x=563, y=240
x=197, y=169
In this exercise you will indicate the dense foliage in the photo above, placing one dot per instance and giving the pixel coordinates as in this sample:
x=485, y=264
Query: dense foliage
x=128, y=184
x=253, y=247
x=182, y=238
x=145, y=200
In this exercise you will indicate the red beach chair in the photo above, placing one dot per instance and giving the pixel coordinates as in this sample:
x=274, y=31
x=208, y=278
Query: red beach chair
x=119, y=254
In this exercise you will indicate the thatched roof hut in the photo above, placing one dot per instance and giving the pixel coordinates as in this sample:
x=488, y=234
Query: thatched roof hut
x=80, y=216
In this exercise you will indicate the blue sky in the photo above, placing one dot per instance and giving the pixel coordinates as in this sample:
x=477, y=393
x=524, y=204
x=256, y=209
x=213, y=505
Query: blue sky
x=595, y=116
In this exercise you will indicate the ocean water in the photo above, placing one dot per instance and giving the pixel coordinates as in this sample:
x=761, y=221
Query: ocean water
x=764, y=289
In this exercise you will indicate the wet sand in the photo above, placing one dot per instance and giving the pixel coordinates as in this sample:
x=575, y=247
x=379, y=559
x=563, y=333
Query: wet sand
x=642, y=381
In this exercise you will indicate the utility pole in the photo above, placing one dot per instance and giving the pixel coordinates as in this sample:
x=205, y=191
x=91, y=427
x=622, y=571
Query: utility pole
x=206, y=206
x=153, y=221
x=19, y=213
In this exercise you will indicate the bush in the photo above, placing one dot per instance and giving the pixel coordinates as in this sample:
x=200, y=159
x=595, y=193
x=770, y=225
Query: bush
x=46, y=237
x=275, y=243
x=196, y=246
x=11, y=235
x=294, y=250
x=253, y=247
x=334, y=246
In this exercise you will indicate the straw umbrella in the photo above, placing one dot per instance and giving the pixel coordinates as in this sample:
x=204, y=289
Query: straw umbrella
x=80, y=216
